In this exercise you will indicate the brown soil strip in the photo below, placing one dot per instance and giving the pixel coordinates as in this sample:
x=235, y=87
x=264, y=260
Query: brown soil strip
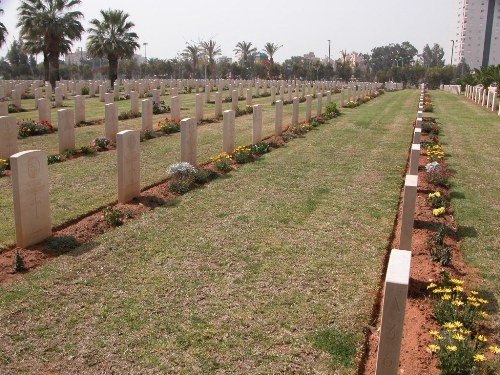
x=414, y=359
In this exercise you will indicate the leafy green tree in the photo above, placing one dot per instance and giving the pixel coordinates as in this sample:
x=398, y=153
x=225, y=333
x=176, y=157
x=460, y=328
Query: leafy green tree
x=3, y=31
x=19, y=62
x=244, y=50
x=211, y=49
x=433, y=56
x=384, y=57
x=271, y=49
x=112, y=37
x=192, y=53
x=50, y=26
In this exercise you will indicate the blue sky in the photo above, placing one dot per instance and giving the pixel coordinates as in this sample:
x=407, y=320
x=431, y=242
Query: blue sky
x=300, y=26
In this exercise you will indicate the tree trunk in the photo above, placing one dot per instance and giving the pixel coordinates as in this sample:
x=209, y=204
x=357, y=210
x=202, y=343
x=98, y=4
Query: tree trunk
x=45, y=66
x=113, y=69
x=53, y=68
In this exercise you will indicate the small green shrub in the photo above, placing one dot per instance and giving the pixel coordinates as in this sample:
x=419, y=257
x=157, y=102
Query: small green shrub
x=52, y=159
x=128, y=115
x=242, y=154
x=85, y=90
x=101, y=144
x=180, y=184
x=147, y=134
x=332, y=110
x=438, y=249
x=201, y=176
x=18, y=264
x=88, y=150
x=67, y=153
x=260, y=148
x=113, y=217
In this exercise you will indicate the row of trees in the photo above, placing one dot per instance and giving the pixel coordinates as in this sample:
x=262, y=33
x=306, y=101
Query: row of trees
x=49, y=27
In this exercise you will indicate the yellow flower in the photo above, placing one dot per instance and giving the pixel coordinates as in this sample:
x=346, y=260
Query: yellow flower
x=481, y=338
x=456, y=281
x=480, y=300
x=458, y=324
x=494, y=349
x=438, y=211
x=479, y=358
x=464, y=331
x=433, y=333
x=449, y=325
x=431, y=285
x=433, y=348
x=471, y=299
x=437, y=290
x=439, y=337
x=483, y=314
x=474, y=292
x=458, y=288
x=446, y=297
x=458, y=337
x=457, y=302
x=451, y=348
x=475, y=304
x=447, y=290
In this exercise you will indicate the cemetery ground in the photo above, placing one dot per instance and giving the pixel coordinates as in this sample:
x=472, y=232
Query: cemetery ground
x=272, y=268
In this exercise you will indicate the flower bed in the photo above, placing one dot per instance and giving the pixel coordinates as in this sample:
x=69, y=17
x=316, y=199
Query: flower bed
x=29, y=128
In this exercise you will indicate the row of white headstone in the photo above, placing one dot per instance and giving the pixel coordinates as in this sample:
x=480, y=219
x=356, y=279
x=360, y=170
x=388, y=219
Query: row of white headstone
x=484, y=97
x=454, y=89
x=39, y=89
x=398, y=269
x=29, y=169
x=68, y=118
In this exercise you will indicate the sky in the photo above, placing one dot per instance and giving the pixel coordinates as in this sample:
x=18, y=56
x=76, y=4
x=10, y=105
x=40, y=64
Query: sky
x=300, y=26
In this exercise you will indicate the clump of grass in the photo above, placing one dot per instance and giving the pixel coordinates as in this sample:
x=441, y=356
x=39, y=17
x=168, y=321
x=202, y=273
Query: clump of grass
x=340, y=345
x=65, y=243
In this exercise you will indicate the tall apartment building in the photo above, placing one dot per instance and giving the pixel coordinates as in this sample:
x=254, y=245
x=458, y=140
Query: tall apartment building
x=477, y=35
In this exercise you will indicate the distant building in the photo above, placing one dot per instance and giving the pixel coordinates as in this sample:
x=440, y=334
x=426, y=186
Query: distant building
x=477, y=34
x=355, y=58
x=75, y=57
x=261, y=57
x=225, y=59
x=311, y=57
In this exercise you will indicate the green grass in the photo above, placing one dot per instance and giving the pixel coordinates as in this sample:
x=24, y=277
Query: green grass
x=472, y=142
x=270, y=269
x=86, y=183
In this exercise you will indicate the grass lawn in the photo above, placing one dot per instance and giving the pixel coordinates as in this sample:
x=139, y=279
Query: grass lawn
x=269, y=270
x=472, y=141
x=87, y=183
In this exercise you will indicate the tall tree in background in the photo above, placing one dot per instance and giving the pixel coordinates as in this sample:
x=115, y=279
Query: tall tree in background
x=433, y=56
x=192, y=53
x=3, y=31
x=244, y=50
x=271, y=49
x=53, y=22
x=112, y=37
x=210, y=50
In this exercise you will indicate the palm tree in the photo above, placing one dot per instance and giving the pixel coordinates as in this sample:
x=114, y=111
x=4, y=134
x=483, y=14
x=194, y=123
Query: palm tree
x=244, y=50
x=112, y=37
x=494, y=74
x=483, y=76
x=192, y=53
x=210, y=50
x=3, y=31
x=52, y=22
x=271, y=49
